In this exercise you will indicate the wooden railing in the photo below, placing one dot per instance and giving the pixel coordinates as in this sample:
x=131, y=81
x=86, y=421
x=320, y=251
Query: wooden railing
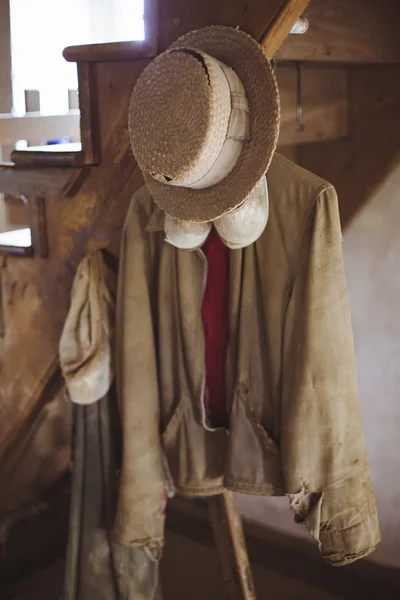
x=37, y=130
x=88, y=152
x=32, y=186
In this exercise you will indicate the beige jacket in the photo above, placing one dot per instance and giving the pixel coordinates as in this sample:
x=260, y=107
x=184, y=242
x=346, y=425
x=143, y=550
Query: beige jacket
x=292, y=388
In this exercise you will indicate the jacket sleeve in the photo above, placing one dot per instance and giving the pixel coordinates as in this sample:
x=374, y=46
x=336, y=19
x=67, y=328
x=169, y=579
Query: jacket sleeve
x=140, y=518
x=322, y=440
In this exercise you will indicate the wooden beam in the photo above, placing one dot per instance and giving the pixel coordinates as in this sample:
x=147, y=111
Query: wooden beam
x=38, y=129
x=282, y=24
x=89, y=125
x=231, y=547
x=110, y=52
x=324, y=104
x=37, y=221
x=48, y=387
x=44, y=158
x=25, y=182
x=360, y=31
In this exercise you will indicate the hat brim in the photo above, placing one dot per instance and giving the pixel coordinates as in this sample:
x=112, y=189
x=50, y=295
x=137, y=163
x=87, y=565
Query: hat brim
x=244, y=55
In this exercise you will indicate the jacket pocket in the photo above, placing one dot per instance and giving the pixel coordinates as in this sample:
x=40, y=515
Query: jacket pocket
x=169, y=434
x=270, y=446
x=195, y=456
x=254, y=462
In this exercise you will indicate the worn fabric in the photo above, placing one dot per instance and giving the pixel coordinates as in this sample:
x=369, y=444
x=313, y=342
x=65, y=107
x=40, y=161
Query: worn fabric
x=87, y=336
x=291, y=385
x=96, y=567
x=90, y=563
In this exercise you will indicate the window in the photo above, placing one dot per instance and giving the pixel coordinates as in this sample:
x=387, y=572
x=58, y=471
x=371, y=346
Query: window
x=27, y=237
x=41, y=29
x=14, y=222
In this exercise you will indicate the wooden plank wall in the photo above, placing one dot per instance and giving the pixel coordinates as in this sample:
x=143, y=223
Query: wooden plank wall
x=357, y=165
x=350, y=31
x=176, y=17
x=324, y=104
x=37, y=129
x=5, y=58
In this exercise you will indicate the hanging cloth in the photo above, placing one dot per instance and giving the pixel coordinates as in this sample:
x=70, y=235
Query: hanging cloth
x=97, y=568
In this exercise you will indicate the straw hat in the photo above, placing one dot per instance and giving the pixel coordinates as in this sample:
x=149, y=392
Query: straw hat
x=204, y=123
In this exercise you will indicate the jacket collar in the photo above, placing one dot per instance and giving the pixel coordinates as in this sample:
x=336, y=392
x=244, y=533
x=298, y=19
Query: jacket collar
x=156, y=221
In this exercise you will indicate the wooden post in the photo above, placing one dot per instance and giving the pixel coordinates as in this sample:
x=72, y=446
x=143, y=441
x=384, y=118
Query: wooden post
x=278, y=30
x=231, y=547
x=89, y=117
x=37, y=221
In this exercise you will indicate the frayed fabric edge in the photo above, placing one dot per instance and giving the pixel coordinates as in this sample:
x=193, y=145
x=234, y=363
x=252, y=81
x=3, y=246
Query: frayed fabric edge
x=313, y=523
x=349, y=558
x=153, y=547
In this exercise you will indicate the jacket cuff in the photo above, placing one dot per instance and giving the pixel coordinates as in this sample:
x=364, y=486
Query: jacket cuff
x=141, y=528
x=344, y=546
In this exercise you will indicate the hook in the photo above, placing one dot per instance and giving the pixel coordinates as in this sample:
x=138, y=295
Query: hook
x=299, y=80
x=300, y=26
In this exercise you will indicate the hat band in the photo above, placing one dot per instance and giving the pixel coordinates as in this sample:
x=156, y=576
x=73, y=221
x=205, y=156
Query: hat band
x=238, y=131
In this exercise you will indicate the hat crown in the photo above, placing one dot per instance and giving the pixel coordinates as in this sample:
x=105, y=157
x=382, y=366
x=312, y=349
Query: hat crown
x=180, y=114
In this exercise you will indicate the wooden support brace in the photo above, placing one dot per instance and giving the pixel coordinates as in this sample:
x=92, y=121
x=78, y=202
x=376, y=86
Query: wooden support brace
x=231, y=547
x=282, y=24
x=37, y=220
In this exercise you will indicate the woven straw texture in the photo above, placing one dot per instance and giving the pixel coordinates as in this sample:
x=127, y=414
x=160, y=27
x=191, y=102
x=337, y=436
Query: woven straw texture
x=176, y=119
x=244, y=55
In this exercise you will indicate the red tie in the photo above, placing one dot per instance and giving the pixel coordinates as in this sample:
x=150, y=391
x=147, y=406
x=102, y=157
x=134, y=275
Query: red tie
x=215, y=316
